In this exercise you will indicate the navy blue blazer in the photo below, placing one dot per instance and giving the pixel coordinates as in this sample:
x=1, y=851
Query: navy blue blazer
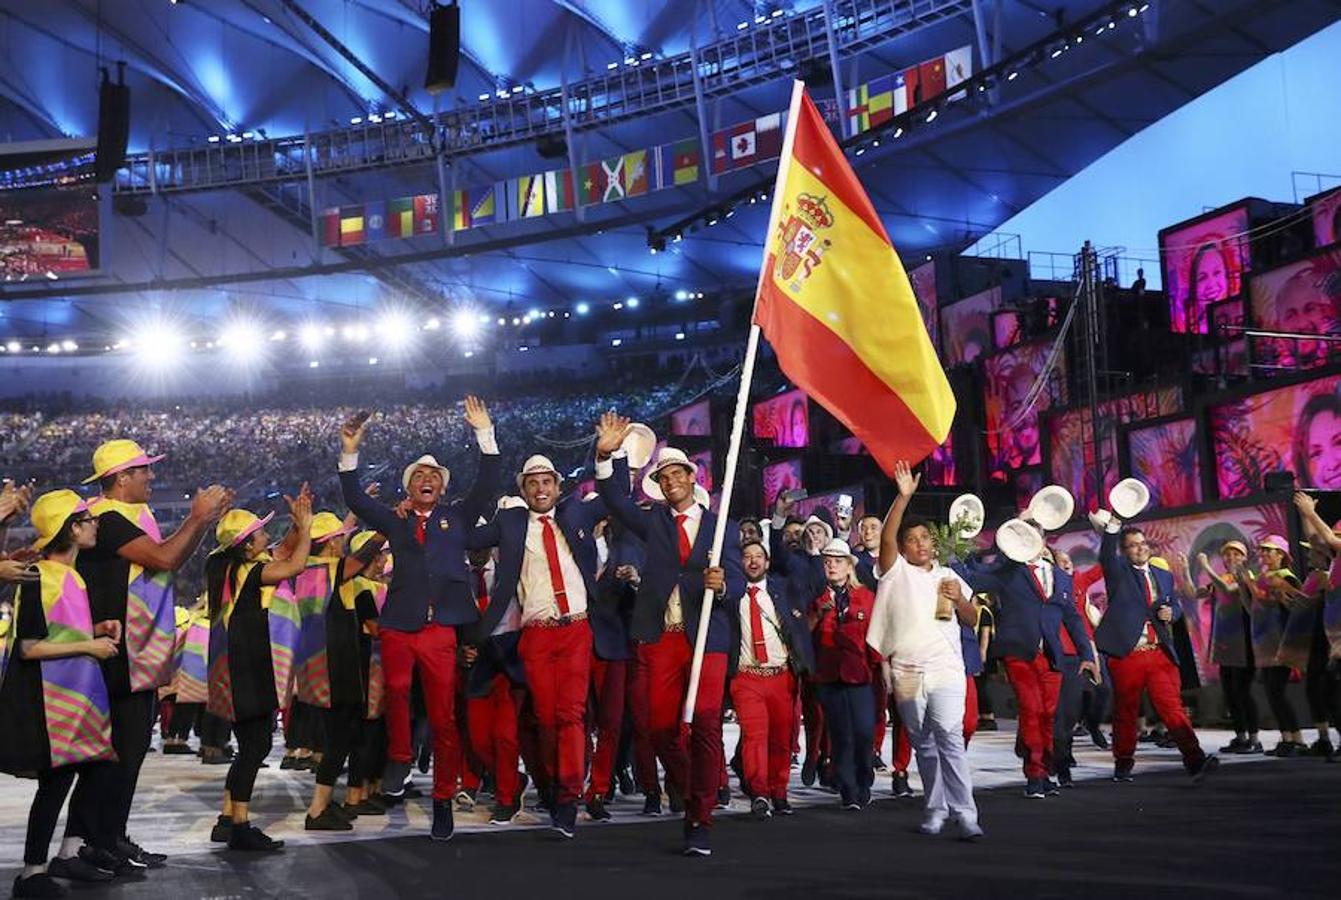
x=1127, y=612
x=866, y=561
x=613, y=609
x=662, y=572
x=497, y=656
x=576, y=521
x=803, y=573
x=795, y=631
x=429, y=582
x=972, y=650
x=1024, y=616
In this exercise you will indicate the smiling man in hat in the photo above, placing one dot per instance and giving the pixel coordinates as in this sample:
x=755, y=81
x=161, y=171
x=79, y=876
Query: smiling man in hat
x=129, y=576
x=678, y=533
x=547, y=564
x=429, y=596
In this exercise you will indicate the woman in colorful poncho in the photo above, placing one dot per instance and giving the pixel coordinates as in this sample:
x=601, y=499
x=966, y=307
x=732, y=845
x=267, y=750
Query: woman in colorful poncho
x=54, y=700
x=241, y=576
x=1272, y=595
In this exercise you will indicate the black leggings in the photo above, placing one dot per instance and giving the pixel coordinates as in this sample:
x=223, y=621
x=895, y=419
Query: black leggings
x=85, y=818
x=343, y=723
x=253, y=746
x=184, y=718
x=132, y=718
x=1237, y=684
x=213, y=731
x=1275, y=679
x=1315, y=683
x=367, y=758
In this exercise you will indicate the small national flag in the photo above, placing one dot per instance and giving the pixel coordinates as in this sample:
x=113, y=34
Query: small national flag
x=351, y=225
x=685, y=155
x=932, y=76
x=721, y=151
x=330, y=227
x=425, y=213
x=858, y=112
x=912, y=86
x=901, y=103
x=744, y=148
x=484, y=205
x=768, y=137
x=558, y=190
x=880, y=100
x=591, y=183
x=460, y=206
x=530, y=196
x=374, y=219
x=958, y=68
x=835, y=304
x=635, y=173
x=400, y=218
x=613, y=172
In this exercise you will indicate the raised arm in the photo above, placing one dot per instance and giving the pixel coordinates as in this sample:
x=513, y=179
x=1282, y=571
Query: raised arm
x=1308, y=514
x=168, y=556
x=612, y=474
x=300, y=511
x=907, y=484
x=481, y=494
x=381, y=518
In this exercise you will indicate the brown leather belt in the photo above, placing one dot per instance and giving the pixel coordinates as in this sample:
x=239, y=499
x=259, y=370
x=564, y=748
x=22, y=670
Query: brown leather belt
x=1146, y=648
x=673, y=629
x=762, y=671
x=560, y=622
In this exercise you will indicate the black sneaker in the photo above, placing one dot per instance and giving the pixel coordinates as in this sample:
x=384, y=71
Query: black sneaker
x=443, y=824
x=250, y=839
x=878, y=764
x=1051, y=787
x=222, y=830
x=1251, y=748
x=850, y=804
x=425, y=758
x=1283, y=750
x=564, y=820
x=329, y=820
x=596, y=809
x=1321, y=747
x=808, y=773
x=39, y=885
x=900, y=786
x=178, y=750
x=675, y=800
x=1208, y=765
x=781, y=807
x=1099, y=739
x=288, y=762
x=625, y=781
x=987, y=725
x=696, y=841
x=131, y=850
x=1123, y=775
x=394, y=777
x=1036, y=788
x=504, y=813
x=759, y=809
x=1235, y=745
x=1064, y=778
x=116, y=864
x=369, y=807
x=215, y=758
x=341, y=811
x=76, y=869
x=652, y=804
x=724, y=798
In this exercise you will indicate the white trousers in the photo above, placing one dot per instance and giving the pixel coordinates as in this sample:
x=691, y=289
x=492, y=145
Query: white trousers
x=931, y=705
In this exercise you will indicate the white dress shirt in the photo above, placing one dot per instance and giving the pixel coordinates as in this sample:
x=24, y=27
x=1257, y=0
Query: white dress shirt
x=773, y=643
x=535, y=589
x=694, y=518
x=1042, y=570
x=511, y=620
x=904, y=628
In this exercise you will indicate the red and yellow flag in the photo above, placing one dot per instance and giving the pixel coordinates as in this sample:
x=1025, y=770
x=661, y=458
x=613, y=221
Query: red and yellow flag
x=836, y=305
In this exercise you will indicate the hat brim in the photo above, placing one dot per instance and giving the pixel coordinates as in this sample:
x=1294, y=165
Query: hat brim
x=409, y=470
x=521, y=476
x=247, y=532
x=142, y=460
x=40, y=542
x=342, y=530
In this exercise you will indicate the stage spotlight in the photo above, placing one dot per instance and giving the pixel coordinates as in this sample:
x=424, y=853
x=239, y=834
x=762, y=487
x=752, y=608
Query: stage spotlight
x=466, y=325
x=632, y=302
x=242, y=339
x=160, y=344
x=69, y=346
x=432, y=324
x=396, y=330
x=681, y=296
x=53, y=348
x=13, y=346
x=310, y=337
x=583, y=309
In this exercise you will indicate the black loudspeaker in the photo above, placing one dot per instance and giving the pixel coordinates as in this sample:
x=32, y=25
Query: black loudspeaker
x=113, y=125
x=444, y=48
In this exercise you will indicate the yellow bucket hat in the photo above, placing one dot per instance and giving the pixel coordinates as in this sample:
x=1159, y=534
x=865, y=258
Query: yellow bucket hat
x=326, y=525
x=117, y=456
x=236, y=526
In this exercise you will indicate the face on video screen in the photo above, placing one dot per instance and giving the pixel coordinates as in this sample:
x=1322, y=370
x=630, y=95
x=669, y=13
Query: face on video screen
x=1302, y=298
x=1295, y=428
x=1203, y=264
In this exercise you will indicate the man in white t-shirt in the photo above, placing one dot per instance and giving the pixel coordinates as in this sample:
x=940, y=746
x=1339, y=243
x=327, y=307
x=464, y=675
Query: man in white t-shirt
x=914, y=629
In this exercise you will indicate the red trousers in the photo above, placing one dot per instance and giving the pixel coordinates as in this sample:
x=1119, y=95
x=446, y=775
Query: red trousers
x=970, y=710
x=433, y=650
x=640, y=715
x=1153, y=672
x=698, y=769
x=609, y=679
x=493, y=735
x=558, y=671
x=464, y=758
x=903, y=746
x=1036, y=688
x=765, y=708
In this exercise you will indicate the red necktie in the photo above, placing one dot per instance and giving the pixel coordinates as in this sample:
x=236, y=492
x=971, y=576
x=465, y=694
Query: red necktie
x=420, y=528
x=1149, y=601
x=685, y=546
x=555, y=570
x=481, y=590
x=757, y=628
x=1037, y=571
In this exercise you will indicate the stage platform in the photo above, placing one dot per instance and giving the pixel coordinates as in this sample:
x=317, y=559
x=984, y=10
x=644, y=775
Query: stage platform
x=1258, y=827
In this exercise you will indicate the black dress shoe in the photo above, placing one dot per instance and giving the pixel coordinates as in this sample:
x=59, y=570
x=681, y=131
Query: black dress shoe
x=443, y=824
x=596, y=809
x=652, y=804
x=39, y=885
x=76, y=869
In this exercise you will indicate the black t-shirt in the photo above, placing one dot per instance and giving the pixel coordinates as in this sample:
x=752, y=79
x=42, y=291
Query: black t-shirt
x=24, y=747
x=107, y=574
x=251, y=665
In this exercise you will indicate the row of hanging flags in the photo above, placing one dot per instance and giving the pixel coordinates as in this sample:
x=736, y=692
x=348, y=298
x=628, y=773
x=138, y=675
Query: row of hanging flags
x=634, y=174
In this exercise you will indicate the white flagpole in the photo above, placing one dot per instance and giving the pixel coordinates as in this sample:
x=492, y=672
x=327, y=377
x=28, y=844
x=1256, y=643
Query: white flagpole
x=742, y=404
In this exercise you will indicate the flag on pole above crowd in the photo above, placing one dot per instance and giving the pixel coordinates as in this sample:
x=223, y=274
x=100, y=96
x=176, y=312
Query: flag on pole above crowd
x=836, y=306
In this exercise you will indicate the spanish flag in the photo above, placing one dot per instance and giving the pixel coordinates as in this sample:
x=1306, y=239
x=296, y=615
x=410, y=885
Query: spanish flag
x=836, y=305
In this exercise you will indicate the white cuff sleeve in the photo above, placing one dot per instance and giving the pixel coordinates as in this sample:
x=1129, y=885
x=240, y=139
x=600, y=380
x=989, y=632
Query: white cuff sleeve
x=606, y=467
x=349, y=462
x=779, y=520
x=487, y=440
